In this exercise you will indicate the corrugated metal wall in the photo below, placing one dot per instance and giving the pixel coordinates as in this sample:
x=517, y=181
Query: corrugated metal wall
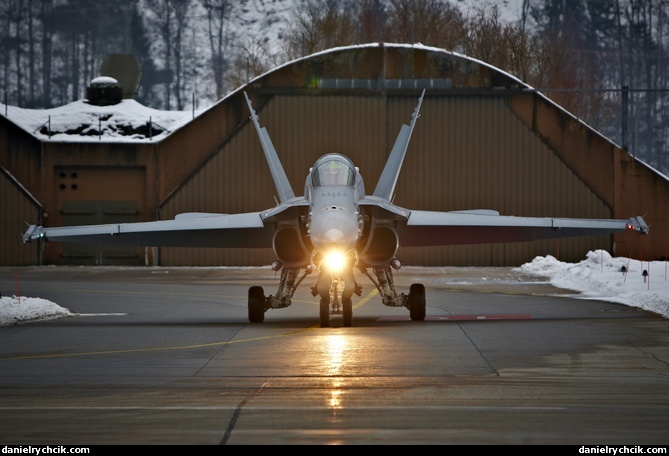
x=16, y=210
x=466, y=153
x=237, y=179
x=473, y=153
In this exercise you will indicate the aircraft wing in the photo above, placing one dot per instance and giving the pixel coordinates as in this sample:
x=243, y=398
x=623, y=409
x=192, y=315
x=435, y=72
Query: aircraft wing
x=246, y=230
x=186, y=230
x=427, y=228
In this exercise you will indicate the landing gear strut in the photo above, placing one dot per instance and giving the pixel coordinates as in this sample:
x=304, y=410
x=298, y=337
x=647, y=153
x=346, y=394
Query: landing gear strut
x=338, y=300
x=414, y=301
x=335, y=296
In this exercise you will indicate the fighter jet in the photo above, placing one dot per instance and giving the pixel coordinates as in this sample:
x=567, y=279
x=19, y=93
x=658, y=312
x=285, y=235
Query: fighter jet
x=334, y=229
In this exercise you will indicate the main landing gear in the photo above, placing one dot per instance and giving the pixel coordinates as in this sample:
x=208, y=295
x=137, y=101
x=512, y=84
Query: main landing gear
x=416, y=301
x=335, y=302
x=256, y=304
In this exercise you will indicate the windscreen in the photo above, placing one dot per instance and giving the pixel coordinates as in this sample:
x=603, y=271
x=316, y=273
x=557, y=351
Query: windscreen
x=333, y=172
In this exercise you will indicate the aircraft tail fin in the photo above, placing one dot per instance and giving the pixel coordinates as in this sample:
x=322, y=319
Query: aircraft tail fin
x=388, y=180
x=283, y=188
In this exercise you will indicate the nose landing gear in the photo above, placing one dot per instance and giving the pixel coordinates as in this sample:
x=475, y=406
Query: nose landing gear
x=336, y=304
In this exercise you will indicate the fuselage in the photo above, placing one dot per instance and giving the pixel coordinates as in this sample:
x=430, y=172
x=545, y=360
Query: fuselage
x=333, y=188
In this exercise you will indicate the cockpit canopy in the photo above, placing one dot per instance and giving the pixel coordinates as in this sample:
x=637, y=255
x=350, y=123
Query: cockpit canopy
x=332, y=170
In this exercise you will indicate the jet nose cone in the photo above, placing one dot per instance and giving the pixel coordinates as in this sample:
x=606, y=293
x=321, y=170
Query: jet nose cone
x=334, y=236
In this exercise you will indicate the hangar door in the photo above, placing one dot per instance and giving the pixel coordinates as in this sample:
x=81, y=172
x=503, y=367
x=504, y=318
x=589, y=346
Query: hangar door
x=95, y=196
x=98, y=213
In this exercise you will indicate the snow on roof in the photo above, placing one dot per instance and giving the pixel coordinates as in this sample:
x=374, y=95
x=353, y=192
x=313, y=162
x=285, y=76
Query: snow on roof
x=79, y=121
x=103, y=81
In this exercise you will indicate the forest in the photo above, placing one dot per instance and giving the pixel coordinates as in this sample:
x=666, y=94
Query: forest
x=605, y=61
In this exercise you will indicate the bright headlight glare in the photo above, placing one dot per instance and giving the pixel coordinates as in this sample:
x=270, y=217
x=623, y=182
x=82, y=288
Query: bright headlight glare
x=334, y=260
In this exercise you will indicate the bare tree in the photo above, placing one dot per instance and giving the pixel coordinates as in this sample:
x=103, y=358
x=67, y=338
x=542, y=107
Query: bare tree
x=322, y=25
x=160, y=15
x=219, y=34
x=180, y=8
x=487, y=38
x=45, y=50
x=430, y=22
x=12, y=47
x=252, y=58
x=372, y=20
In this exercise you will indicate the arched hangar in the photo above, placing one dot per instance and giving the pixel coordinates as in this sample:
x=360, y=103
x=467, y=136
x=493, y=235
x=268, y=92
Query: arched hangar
x=484, y=140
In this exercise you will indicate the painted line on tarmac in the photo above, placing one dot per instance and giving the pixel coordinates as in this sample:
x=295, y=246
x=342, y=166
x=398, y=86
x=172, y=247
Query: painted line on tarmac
x=462, y=317
x=155, y=349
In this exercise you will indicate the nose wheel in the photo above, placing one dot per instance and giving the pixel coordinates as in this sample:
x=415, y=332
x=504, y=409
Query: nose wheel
x=347, y=311
x=325, y=313
x=345, y=307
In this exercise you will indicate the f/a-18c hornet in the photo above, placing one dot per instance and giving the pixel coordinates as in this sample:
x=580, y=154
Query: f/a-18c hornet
x=334, y=228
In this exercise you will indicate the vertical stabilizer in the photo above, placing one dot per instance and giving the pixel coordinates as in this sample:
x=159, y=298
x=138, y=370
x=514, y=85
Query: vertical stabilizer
x=283, y=188
x=388, y=180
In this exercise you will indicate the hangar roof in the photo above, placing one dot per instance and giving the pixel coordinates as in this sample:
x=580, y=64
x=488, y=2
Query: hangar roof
x=130, y=121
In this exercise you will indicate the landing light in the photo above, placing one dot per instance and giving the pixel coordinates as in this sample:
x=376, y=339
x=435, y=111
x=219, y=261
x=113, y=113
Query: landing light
x=334, y=260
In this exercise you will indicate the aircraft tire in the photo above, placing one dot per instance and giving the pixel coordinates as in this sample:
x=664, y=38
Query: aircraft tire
x=256, y=304
x=325, y=313
x=347, y=304
x=417, y=302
